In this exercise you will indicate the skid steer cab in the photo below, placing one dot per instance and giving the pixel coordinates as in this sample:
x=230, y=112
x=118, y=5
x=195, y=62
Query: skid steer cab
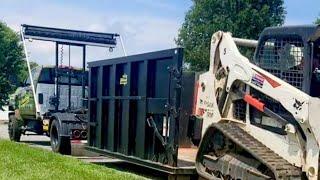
x=66, y=123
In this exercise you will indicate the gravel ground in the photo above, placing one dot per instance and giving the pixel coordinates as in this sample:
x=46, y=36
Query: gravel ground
x=3, y=129
x=37, y=141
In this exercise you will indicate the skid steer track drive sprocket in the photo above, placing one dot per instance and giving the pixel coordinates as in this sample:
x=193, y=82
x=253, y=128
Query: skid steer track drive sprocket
x=277, y=167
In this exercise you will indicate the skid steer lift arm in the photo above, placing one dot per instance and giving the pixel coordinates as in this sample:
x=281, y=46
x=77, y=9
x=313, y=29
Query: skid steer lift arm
x=229, y=68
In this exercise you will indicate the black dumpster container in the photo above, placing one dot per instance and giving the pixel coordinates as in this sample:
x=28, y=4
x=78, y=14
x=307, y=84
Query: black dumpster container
x=134, y=110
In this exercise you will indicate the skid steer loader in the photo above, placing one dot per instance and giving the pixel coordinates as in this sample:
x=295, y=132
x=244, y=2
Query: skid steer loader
x=261, y=119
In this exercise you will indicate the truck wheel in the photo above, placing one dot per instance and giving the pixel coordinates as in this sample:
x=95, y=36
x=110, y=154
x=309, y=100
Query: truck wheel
x=59, y=144
x=14, y=129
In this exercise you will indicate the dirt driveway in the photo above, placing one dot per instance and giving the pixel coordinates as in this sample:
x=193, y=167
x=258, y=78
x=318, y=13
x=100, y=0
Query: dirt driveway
x=38, y=141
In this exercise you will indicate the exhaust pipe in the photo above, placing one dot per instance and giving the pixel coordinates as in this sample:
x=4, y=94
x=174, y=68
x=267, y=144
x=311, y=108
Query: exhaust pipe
x=84, y=134
x=76, y=134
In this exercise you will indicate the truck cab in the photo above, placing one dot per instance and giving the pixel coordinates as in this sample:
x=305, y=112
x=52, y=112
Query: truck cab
x=45, y=88
x=54, y=101
x=69, y=99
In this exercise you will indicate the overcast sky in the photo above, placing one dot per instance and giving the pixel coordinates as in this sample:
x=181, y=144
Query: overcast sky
x=145, y=25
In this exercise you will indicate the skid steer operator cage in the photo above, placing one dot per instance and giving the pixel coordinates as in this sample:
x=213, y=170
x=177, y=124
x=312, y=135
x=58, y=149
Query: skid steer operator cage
x=286, y=52
x=70, y=38
x=284, y=58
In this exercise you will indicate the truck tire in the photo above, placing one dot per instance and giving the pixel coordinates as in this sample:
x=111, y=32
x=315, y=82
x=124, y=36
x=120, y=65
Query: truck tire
x=14, y=129
x=59, y=144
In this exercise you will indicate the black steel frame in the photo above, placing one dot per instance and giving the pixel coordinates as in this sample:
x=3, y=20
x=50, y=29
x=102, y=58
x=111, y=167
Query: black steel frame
x=71, y=38
x=57, y=93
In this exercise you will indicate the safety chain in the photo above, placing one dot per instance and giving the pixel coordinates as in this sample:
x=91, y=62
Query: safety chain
x=61, y=55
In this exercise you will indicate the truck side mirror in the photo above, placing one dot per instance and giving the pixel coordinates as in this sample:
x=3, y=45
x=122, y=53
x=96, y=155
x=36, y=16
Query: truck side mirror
x=40, y=98
x=316, y=72
x=11, y=108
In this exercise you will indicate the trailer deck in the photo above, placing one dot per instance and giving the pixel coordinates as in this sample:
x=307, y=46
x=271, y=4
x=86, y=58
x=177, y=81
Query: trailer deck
x=185, y=166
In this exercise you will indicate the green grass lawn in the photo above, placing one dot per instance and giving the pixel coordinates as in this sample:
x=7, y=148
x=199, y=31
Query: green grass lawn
x=19, y=161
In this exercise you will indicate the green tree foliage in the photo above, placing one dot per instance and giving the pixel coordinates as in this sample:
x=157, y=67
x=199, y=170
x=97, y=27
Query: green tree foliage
x=243, y=18
x=317, y=21
x=11, y=61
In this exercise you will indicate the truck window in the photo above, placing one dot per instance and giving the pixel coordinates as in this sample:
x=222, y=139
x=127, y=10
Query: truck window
x=76, y=77
x=47, y=76
x=34, y=73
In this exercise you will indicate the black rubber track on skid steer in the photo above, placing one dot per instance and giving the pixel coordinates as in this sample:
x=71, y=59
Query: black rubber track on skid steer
x=281, y=168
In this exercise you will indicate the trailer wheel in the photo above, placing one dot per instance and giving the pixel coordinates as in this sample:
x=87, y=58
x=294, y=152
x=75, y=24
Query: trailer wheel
x=59, y=144
x=14, y=129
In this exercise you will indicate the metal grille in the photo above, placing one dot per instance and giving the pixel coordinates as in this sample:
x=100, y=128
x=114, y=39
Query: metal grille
x=283, y=57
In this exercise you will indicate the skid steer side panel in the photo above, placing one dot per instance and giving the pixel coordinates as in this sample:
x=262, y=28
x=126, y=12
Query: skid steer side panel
x=134, y=104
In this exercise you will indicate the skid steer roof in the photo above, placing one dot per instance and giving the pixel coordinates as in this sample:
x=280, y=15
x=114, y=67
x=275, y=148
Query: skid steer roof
x=306, y=32
x=68, y=36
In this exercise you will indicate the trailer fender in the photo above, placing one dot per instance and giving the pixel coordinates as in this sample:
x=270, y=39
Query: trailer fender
x=65, y=122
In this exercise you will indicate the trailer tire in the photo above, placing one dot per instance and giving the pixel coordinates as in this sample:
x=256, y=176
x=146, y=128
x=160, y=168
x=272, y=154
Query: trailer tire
x=14, y=128
x=59, y=144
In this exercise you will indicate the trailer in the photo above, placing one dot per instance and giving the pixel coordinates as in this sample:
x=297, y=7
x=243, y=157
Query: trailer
x=139, y=111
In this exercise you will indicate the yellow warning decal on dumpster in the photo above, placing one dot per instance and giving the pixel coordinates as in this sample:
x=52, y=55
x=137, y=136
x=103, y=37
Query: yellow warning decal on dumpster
x=124, y=79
